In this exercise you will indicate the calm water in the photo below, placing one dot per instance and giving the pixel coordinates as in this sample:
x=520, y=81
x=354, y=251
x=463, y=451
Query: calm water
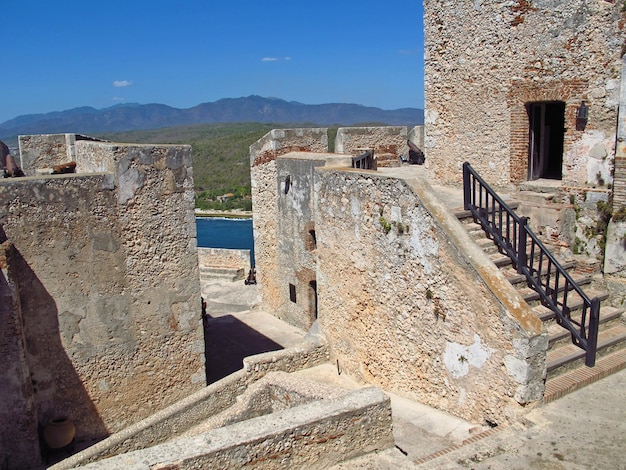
x=216, y=232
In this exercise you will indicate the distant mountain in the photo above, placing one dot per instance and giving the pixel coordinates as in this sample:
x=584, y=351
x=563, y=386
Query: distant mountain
x=128, y=117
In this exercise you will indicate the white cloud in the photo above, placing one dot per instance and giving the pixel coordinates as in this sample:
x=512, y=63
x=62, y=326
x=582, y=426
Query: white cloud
x=118, y=98
x=122, y=83
x=275, y=59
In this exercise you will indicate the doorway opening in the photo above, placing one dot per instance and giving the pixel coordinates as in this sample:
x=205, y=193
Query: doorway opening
x=547, y=129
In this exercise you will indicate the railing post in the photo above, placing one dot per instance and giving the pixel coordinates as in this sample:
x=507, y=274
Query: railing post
x=466, y=187
x=592, y=333
x=522, y=258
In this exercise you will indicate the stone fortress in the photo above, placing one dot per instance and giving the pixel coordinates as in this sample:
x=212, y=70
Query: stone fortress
x=101, y=282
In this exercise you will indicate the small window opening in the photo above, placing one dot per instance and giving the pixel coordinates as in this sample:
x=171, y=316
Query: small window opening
x=292, y=293
x=313, y=298
x=312, y=245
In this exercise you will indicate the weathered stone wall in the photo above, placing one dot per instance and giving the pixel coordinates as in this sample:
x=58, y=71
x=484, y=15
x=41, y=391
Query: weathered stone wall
x=223, y=264
x=265, y=196
x=313, y=436
x=387, y=142
x=409, y=303
x=222, y=257
x=296, y=236
x=203, y=404
x=109, y=286
x=416, y=135
x=486, y=60
x=615, y=255
x=18, y=446
x=42, y=152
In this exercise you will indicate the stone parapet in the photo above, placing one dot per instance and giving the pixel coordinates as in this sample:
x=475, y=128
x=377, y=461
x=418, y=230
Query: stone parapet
x=223, y=263
x=203, y=404
x=388, y=141
x=315, y=436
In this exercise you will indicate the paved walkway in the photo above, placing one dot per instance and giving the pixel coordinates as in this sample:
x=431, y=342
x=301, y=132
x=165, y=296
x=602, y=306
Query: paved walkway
x=236, y=328
x=583, y=430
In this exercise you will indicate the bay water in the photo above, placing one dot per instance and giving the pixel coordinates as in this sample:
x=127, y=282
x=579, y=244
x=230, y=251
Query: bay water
x=220, y=232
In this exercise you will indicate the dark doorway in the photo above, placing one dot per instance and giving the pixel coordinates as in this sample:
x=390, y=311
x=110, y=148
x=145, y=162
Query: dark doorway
x=547, y=128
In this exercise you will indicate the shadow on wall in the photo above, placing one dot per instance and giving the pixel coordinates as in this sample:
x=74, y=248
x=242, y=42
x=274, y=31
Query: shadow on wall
x=227, y=342
x=57, y=388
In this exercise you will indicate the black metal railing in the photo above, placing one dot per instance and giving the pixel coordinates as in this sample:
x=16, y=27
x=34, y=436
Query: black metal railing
x=364, y=161
x=544, y=274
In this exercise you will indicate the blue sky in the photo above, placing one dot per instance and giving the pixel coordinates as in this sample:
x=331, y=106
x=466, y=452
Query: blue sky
x=62, y=54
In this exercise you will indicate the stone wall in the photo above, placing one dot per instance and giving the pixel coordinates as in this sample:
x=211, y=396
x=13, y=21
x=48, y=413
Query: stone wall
x=18, y=448
x=42, y=152
x=314, y=436
x=109, y=285
x=409, y=303
x=388, y=143
x=486, y=60
x=208, y=402
x=222, y=257
x=296, y=236
x=416, y=135
x=225, y=264
x=265, y=195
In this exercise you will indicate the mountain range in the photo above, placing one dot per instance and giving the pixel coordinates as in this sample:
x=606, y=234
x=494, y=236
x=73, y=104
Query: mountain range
x=132, y=116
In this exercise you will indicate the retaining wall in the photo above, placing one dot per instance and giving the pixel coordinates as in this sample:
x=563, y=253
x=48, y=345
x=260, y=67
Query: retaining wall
x=410, y=303
x=315, y=436
x=203, y=404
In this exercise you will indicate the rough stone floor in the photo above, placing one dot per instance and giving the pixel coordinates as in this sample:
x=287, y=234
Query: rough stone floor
x=586, y=429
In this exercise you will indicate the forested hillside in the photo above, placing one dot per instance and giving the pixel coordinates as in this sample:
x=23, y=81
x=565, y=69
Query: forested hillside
x=220, y=157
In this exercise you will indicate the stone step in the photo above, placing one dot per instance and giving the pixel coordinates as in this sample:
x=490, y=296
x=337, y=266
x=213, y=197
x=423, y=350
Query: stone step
x=221, y=272
x=514, y=278
x=546, y=315
x=558, y=336
x=487, y=245
x=569, y=357
x=464, y=215
x=568, y=382
x=531, y=295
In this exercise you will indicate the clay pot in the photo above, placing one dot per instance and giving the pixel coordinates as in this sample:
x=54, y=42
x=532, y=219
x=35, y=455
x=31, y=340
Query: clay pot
x=58, y=433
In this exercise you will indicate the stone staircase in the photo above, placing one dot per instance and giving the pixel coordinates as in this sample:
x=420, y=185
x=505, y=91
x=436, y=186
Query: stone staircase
x=566, y=370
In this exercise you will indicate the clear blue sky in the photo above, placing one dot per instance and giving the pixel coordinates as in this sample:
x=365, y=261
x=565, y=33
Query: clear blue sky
x=58, y=55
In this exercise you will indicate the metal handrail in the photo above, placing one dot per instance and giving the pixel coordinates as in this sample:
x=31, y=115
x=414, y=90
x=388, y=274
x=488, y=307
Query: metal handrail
x=544, y=274
x=363, y=161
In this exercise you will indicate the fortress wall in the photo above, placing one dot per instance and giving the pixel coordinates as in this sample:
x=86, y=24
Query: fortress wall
x=110, y=292
x=265, y=195
x=416, y=135
x=296, y=237
x=17, y=403
x=387, y=141
x=405, y=309
x=43, y=151
x=224, y=257
x=486, y=60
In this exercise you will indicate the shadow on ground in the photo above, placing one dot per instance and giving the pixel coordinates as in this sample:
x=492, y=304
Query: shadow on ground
x=227, y=341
